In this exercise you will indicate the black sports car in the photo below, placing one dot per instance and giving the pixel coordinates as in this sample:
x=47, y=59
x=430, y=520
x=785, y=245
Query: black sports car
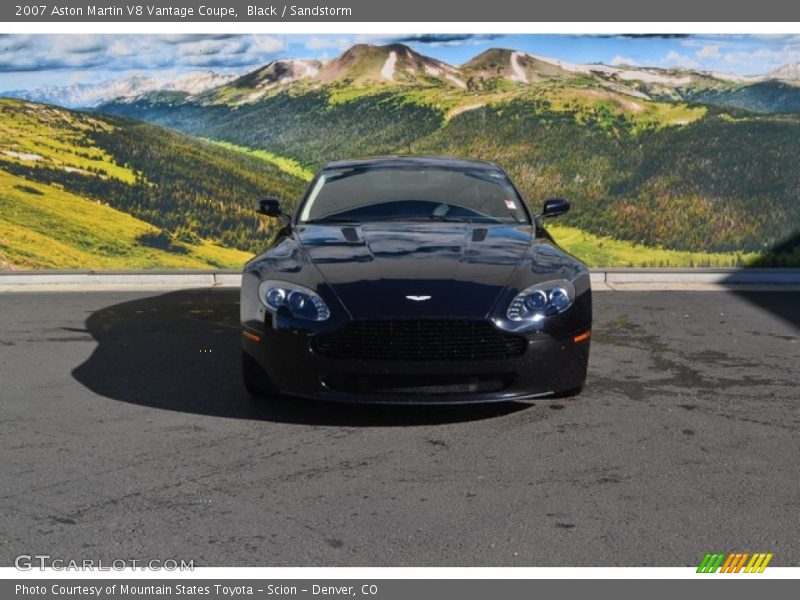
x=414, y=280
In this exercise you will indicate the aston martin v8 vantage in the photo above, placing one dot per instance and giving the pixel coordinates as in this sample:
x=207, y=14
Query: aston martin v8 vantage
x=414, y=280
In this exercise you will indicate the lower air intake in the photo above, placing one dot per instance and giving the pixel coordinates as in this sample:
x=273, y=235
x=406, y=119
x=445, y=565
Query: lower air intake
x=417, y=384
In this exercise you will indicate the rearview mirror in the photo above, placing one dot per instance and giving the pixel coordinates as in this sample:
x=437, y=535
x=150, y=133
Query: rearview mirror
x=555, y=207
x=270, y=207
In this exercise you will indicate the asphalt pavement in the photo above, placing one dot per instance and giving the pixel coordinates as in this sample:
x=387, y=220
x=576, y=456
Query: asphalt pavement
x=125, y=433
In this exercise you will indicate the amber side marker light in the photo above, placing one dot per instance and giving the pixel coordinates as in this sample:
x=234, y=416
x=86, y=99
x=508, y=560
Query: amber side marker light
x=582, y=336
x=251, y=336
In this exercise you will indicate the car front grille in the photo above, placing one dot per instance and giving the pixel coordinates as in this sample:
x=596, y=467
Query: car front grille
x=419, y=340
x=417, y=385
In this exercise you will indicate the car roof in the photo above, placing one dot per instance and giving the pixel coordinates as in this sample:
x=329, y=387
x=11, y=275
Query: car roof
x=445, y=162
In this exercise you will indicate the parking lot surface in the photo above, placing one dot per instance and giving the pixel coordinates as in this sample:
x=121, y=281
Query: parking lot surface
x=125, y=433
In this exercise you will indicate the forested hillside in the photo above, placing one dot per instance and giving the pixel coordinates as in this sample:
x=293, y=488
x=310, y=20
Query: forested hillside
x=719, y=183
x=769, y=97
x=670, y=175
x=179, y=201
x=308, y=127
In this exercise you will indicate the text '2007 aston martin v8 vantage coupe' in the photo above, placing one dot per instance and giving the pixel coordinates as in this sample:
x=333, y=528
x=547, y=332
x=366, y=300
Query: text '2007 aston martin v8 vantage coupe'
x=414, y=280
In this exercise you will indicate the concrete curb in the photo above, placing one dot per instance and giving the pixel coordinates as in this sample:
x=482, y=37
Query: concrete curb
x=698, y=276
x=610, y=279
x=142, y=279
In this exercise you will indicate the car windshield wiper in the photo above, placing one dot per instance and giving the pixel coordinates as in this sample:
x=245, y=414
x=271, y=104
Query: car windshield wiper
x=421, y=219
x=447, y=219
x=480, y=219
x=407, y=218
x=324, y=220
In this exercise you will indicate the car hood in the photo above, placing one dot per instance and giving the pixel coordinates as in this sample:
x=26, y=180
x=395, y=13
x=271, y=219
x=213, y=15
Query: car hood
x=420, y=269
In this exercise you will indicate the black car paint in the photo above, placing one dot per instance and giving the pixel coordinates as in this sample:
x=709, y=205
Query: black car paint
x=366, y=271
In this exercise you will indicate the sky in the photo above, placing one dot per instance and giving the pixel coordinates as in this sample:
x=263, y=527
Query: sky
x=31, y=61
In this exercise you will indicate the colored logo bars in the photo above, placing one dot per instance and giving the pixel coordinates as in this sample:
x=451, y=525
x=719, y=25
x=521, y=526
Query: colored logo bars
x=734, y=562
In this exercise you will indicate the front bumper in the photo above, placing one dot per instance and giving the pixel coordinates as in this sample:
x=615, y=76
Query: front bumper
x=549, y=365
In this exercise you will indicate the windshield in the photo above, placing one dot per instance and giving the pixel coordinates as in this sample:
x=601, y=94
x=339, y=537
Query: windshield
x=418, y=193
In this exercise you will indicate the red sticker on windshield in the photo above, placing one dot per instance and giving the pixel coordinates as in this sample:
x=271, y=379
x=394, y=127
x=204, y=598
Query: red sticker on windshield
x=511, y=205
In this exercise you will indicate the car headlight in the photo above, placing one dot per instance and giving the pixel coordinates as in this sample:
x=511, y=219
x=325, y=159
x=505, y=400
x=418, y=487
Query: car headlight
x=300, y=301
x=541, y=300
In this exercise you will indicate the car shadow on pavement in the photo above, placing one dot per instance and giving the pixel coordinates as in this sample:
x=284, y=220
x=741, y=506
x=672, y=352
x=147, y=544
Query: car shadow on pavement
x=180, y=351
x=771, y=268
x=784, y=305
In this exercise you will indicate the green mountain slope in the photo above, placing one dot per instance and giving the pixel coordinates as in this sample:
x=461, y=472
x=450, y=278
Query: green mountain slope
x=310, y=127
x=769, y=97
x=91, y=191
x=716, y=184
x=44, y=227
x=661, y=174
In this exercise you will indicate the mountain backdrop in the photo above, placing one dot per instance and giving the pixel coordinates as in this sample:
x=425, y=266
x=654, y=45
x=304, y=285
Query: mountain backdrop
x=665, y=167
x=88, y=95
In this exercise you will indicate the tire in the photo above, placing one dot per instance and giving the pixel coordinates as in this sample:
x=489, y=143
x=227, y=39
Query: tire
x=256, y=381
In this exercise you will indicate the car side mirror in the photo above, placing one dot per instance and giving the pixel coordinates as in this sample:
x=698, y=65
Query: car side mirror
x=555, y=207
x=270, y=207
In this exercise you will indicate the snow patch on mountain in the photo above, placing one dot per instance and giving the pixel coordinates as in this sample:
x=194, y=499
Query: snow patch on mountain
x=790, y=72
x=387, y=72
x=518, y=73
x=23, y=155
x=456, y=81
x=731, y=77
x=650, y=77
x=197, y=81
x=300, y=71
x=623, y=74
x=87, y=95
x=432, y=71
x=311, y=71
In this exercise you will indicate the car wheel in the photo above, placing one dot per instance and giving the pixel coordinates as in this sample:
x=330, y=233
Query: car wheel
x=256, y=381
